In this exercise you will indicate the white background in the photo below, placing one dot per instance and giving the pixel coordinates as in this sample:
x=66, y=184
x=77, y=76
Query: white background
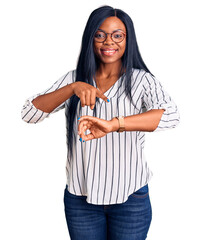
x=40, y=41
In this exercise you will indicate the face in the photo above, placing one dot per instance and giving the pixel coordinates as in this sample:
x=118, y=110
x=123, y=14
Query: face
x=109, y=25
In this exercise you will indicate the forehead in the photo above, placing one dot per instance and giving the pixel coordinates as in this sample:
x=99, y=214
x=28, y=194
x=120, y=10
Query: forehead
x=112, y=23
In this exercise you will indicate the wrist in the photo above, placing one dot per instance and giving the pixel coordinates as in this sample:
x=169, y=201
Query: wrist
x=73, y=86
x=114, y=124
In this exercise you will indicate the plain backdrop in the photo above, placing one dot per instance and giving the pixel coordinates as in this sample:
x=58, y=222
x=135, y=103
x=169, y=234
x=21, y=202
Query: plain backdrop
x=40, y=41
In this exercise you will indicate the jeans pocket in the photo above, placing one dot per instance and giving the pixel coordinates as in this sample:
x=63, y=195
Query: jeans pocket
x=143, y=192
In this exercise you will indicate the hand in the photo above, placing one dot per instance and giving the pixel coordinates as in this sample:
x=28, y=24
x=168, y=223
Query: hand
x=87, y=93
x=98, y=127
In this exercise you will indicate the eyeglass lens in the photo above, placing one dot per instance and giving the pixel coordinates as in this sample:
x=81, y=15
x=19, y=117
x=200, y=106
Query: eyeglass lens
x=116, y=36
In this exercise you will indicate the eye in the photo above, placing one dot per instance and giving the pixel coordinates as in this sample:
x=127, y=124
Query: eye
x=118, y=35
x=99, y=35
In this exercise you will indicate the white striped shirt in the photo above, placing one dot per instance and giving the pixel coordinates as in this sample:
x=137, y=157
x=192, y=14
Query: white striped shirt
x=108, y=169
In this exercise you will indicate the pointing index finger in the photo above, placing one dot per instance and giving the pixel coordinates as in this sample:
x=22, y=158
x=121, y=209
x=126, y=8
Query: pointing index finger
x=101, y=95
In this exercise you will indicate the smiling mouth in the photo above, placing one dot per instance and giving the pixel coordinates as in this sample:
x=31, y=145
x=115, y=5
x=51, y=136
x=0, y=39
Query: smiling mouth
x=108, y=52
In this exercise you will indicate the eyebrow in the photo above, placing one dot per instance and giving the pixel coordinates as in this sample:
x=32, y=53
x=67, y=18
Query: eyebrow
x=112, y=31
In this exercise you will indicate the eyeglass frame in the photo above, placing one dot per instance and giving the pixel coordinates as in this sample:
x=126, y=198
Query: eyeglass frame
x=118, y=30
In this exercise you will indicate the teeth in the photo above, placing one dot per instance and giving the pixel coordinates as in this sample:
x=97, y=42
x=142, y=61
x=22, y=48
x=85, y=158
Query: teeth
x=109, y=51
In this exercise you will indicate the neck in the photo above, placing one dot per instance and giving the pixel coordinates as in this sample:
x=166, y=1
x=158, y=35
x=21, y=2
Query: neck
x=108, y=70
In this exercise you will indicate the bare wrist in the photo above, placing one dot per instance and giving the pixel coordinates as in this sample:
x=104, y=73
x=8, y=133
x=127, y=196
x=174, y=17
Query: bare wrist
x=72, y=86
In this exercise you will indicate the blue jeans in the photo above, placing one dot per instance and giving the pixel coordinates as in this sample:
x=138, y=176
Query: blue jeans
x=125, y=221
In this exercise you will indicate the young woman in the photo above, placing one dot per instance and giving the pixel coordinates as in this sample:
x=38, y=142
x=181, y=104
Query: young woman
x=111, y=99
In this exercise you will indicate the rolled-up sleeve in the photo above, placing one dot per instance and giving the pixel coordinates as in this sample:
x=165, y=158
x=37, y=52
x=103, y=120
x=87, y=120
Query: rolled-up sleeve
x=155, y=97
x=31, y=114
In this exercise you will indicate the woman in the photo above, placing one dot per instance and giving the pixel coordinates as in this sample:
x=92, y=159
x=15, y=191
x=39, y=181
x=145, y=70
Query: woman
x=110, y=100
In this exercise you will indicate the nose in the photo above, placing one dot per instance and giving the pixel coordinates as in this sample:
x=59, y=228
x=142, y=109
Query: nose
x=108, y=39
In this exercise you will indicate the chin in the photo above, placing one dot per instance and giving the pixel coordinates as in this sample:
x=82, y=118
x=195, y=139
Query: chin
x=108, y=60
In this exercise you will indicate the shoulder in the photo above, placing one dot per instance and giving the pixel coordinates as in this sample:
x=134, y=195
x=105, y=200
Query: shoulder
x=143, y=75
x=70, y=75
x=139, y=72
x=138, y=75
x=66, y=78
x=71, y=72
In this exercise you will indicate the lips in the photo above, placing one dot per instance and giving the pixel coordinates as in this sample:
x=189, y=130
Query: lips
x=108, y=51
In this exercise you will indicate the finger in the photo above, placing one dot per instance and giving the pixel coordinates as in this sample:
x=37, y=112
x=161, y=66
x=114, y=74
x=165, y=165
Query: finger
x=100, y=94
x=88, y=137
x=89, y=118
x=81, y=125
x=93, y=99
x=82, y=99
x=88, y=97
x=82, y=134
x=84, y=128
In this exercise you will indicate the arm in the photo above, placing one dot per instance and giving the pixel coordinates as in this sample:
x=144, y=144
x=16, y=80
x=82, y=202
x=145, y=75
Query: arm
x=161, y=114
x=40, y=106
x=147, y=121
x=48, y=102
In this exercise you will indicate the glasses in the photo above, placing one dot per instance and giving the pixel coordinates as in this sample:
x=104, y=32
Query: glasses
x=117, y=36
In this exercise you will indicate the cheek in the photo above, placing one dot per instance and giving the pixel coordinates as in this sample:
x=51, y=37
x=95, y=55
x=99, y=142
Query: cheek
x=123, y=48
x=124, y=45
x=95, y=49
